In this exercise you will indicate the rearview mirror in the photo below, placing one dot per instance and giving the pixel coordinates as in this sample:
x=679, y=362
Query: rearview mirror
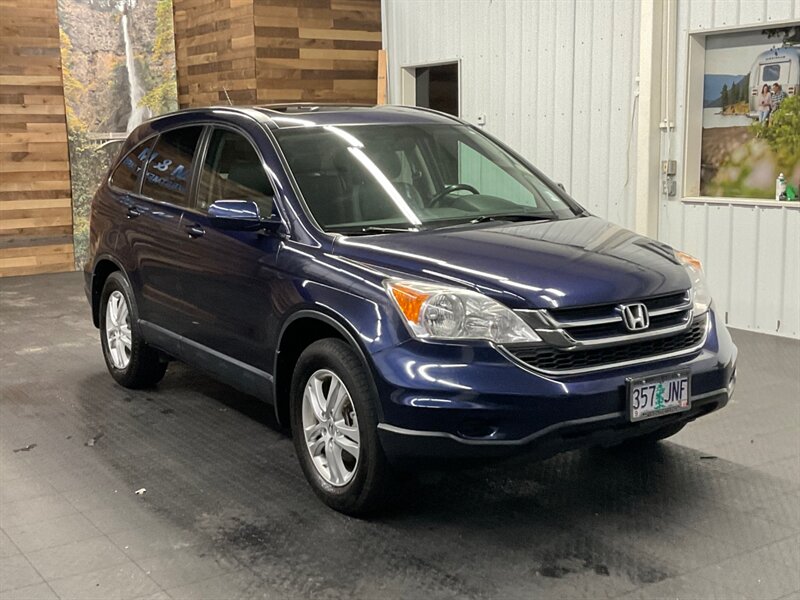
x=242, y=215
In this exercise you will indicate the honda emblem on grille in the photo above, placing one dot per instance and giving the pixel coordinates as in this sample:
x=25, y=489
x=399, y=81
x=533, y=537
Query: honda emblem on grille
x=635, y=316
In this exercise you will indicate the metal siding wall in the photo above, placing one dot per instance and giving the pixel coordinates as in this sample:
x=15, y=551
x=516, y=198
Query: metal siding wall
x=555, y=79
x=751, y=253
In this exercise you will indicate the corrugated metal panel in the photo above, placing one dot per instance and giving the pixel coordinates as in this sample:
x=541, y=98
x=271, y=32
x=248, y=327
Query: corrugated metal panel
x=543, y=73
x=751, y=253
x=556, y=80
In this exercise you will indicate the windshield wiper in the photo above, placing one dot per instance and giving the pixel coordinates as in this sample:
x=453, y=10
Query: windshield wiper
x=377, y=229
x=510, y=217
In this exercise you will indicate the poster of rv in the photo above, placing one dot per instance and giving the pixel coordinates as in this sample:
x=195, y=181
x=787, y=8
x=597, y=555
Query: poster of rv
x=743, y=149
x=118, y=65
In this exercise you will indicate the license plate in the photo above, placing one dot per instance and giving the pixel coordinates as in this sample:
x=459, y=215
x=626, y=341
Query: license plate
x=657, y=395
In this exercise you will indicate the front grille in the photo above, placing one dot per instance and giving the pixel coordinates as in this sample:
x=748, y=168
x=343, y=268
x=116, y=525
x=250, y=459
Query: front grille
x=604, y=320
x=553, y=360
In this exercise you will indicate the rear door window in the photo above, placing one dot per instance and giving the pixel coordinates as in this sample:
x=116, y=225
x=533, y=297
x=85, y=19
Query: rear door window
x=169, y=169
x=126, y=176
x=232, y=170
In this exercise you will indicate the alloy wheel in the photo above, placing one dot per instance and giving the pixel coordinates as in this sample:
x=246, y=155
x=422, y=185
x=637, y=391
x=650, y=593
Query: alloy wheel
x=330, y=427
x=118, y=330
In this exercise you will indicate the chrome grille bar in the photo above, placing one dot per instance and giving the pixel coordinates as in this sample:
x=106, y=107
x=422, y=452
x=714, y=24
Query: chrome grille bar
x=603, y=327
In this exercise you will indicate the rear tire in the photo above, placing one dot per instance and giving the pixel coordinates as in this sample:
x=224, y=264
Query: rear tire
x=131, y=362
x=334, y=425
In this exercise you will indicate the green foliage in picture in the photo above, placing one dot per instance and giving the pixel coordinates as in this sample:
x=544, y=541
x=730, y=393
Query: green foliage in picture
x=73, y=88
x=160, y=64
x=783, y=133
x=88, y=163
x=163, y=46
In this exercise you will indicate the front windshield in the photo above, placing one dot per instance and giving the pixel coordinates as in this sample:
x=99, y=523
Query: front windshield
x=366, y=178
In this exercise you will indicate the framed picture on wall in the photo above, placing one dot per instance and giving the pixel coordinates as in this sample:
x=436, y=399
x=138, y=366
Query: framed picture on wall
x=743, y=139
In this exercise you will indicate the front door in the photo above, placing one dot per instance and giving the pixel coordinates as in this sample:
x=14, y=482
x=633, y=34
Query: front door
x=229, y=287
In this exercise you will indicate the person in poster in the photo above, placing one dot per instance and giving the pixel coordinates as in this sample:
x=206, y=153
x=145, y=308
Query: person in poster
x=764, y=103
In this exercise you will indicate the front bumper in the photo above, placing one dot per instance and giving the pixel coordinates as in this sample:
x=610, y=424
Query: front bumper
x=450, y=401
x=602, y=430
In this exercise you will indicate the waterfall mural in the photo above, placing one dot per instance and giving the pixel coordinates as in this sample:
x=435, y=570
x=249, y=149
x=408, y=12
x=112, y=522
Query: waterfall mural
x=139, y=111
x=118, y=66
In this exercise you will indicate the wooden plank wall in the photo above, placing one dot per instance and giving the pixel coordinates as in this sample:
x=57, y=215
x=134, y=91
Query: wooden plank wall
x=317, y=50
x=35, y=206
x=214, y=51
x=288, y=51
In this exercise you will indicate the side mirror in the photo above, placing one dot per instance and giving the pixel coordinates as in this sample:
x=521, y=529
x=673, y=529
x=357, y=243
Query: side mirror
x=241, y=215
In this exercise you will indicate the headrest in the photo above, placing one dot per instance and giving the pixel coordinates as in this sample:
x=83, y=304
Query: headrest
x=310, y=162
x=250, y=176
x=388, y=162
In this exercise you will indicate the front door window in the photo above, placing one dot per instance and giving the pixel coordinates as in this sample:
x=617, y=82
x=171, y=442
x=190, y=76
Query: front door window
x=233, y=171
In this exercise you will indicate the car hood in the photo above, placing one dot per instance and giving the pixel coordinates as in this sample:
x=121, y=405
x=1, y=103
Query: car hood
x=543, y=264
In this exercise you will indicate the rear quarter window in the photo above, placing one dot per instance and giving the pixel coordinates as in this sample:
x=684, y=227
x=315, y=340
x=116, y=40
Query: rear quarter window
x=126, y=176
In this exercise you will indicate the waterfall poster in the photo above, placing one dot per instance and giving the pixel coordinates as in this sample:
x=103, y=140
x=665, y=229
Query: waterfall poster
x=118, y=66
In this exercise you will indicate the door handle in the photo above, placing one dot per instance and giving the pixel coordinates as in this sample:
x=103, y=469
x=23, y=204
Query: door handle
x=134, y=211
x=195, y=231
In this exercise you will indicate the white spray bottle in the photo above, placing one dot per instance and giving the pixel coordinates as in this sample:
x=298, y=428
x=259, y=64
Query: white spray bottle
x=780, y=187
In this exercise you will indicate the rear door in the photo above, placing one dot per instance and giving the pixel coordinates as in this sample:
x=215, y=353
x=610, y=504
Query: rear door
x=156, y=232
x=229, y=288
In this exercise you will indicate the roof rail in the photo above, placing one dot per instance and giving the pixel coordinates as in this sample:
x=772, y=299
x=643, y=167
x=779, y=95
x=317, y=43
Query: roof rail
x=310, y=106
x=433, y=111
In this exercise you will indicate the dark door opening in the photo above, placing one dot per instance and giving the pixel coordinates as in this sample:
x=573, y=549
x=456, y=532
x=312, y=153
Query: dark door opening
x=437, y=87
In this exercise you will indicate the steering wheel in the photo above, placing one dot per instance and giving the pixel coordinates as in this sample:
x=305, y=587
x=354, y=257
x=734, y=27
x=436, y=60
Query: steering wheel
x=437, y=198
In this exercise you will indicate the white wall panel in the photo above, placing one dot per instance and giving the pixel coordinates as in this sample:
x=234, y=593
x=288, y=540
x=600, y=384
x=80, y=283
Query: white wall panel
x=556, y=80
x=544, y=74
x=790, y=288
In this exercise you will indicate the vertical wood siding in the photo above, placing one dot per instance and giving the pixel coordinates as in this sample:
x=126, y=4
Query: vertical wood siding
x=751, y=253
x=35, y=208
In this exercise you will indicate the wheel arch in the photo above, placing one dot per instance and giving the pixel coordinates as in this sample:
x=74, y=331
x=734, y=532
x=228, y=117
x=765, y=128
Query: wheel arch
x=299, y=331
x=103, y=267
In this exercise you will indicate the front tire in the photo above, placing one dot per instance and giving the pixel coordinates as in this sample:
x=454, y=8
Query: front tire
x=334, y=424
x=131, y=362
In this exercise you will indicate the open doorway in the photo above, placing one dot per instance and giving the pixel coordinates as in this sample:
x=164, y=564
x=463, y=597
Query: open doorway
x=433, y=86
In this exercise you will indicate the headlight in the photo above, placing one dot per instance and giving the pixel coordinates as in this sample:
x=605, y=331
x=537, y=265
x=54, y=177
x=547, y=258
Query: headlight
x=442, y=312
x=700, y=294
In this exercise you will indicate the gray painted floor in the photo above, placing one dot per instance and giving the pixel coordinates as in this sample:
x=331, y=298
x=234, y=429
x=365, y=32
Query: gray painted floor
x=714, y=513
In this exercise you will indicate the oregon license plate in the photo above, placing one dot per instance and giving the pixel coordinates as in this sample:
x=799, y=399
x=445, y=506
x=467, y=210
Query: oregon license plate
x=657, y=395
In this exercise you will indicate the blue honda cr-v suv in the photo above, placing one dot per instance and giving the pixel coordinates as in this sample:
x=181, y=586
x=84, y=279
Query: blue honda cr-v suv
x=400, y=285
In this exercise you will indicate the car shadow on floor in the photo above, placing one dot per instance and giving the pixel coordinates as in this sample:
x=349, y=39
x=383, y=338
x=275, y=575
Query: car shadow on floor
x=219, y=465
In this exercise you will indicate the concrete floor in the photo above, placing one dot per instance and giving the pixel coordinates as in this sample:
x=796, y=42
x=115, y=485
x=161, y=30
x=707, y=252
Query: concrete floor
x=714, y=513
